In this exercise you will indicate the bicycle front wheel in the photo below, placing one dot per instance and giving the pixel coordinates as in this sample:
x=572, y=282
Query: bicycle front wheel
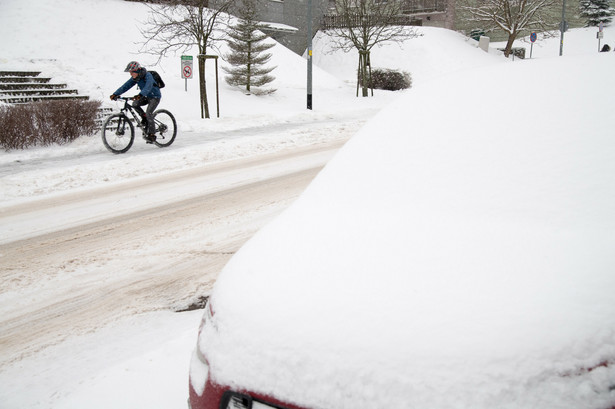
x=118, y=133
x=166, y=128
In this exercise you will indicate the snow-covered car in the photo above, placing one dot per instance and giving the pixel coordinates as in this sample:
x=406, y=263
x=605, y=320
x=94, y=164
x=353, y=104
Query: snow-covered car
x=456, y=262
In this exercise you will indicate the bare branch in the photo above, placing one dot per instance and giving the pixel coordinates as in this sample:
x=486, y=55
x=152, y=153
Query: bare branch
x=363, y=24
x=179, y=25
x=514, y=17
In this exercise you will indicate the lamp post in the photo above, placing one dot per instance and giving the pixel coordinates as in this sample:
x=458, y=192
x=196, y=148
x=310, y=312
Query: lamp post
x=309, y=55
x=562, y=27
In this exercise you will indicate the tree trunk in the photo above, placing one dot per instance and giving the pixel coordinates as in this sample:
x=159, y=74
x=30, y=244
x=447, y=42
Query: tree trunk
x=365, y=79
x=509, y=44
x=203, y=88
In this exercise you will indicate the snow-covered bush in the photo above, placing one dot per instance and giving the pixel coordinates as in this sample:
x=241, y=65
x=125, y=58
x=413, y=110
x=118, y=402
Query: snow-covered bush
x=45, y=123
x=390, y=80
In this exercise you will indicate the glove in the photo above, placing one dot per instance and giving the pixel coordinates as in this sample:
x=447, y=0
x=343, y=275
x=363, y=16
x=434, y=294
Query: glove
x=113, y=97
x=137, y=97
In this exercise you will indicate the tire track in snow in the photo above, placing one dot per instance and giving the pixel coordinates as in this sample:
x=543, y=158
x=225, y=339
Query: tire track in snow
x=160, y=255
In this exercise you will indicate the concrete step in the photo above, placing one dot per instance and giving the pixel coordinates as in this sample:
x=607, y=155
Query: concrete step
x=29, y=85
x=13, y=80
x=21, y=87
x=38, y=92
x=36, y=98
x=102, y=115
x=20, y=73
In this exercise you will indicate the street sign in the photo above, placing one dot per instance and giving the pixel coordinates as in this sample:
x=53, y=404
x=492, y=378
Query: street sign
x=533, y=40
x=187, y=66
x=599, y=36
x=600, y=26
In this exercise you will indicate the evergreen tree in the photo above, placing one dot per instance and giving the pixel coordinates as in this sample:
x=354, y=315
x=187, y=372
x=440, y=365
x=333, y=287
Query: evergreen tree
x=246, y=57
x=596, y=12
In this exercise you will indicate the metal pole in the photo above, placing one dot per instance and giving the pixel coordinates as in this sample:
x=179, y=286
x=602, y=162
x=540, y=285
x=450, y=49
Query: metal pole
x=531, y=49
x=309, y=55
x=562, y=28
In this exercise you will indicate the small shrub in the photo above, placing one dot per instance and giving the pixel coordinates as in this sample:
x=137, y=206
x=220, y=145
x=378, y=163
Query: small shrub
x=46, y=123
x=16, y=127
x=390, y=80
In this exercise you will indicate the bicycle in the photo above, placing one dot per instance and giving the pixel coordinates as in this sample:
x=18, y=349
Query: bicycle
x=118, y=131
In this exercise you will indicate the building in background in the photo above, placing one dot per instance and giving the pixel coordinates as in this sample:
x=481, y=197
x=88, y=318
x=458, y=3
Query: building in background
x=287, y=19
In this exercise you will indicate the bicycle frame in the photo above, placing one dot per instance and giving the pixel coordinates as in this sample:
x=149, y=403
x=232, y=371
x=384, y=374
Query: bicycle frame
x=135, y=116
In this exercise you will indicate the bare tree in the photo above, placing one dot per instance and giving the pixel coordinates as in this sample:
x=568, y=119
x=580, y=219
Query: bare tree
x=514, y=17
x=362, y=24
x=179, y=25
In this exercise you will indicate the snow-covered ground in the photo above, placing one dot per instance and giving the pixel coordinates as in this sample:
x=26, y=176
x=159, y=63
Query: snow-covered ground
x=142, y=361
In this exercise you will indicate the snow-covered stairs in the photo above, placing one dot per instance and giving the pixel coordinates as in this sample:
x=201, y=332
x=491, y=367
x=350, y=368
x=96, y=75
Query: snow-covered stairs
x=19, y=87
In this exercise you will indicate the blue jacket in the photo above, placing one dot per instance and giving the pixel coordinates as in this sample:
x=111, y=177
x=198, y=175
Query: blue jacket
x=145, y=83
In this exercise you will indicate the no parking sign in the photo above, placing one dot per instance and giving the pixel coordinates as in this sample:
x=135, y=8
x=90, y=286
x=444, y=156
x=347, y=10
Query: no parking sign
x=533, y=40
x=186, y=69
x=187, y=66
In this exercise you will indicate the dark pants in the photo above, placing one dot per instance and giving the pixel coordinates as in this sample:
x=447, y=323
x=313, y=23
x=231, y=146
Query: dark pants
x=151, y=103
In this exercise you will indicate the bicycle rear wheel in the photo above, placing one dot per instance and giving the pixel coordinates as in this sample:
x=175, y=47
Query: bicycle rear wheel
x=118, y=133
x=166, y=128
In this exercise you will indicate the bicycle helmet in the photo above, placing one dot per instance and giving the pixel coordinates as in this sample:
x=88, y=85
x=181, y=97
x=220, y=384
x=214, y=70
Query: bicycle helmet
x=132, y=66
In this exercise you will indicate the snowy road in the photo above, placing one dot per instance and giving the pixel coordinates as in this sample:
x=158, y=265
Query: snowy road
x=74, y=262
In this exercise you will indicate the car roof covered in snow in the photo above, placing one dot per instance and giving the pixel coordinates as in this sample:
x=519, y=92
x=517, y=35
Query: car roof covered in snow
x=453, y=254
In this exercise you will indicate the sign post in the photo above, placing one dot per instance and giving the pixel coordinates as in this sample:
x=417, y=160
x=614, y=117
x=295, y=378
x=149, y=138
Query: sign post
x=186, y=68
x=533, y=40
x=600, y=34
x=202, y=59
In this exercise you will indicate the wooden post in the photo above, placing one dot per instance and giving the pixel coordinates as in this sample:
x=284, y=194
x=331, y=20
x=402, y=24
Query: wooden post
x=202, y=59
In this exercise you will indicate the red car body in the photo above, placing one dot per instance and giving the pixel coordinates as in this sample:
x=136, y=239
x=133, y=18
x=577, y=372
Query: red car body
x=217, y=396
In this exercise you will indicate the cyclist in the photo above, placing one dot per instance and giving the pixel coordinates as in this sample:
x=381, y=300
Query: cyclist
x=149, y=95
